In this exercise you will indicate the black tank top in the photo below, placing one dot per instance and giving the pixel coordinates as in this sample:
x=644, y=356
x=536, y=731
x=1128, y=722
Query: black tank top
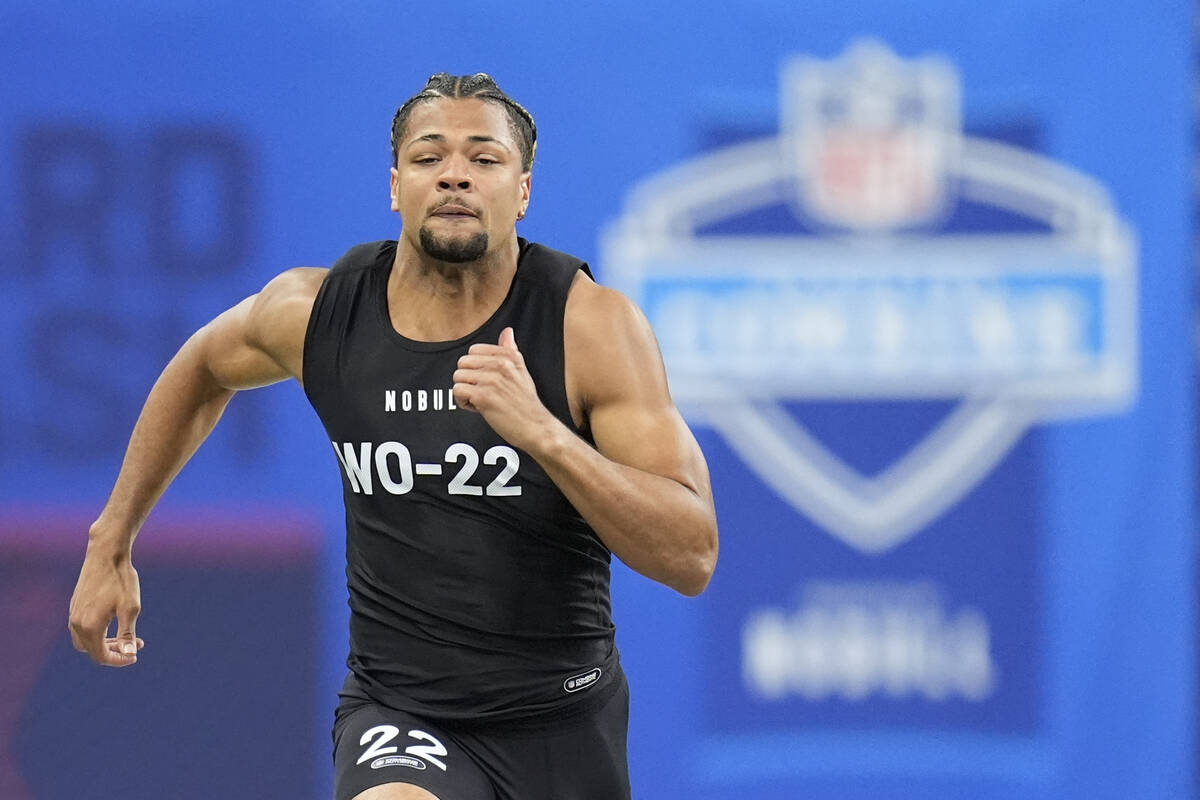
x=477, y=592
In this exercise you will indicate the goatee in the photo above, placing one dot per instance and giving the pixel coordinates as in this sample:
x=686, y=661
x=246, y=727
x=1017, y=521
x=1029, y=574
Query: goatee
x=453, y=250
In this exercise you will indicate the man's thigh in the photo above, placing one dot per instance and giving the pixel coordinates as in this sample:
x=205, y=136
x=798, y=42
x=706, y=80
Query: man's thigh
x=383, y=754
x=583, y=761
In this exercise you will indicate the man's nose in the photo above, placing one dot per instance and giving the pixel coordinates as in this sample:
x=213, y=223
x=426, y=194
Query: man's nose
x=455, y=174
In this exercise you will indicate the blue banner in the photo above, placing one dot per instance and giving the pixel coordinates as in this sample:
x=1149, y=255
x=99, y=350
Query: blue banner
x=922, y=275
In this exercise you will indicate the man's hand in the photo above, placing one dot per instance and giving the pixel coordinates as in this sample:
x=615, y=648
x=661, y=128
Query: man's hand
x=493, y=381
x=108, y=587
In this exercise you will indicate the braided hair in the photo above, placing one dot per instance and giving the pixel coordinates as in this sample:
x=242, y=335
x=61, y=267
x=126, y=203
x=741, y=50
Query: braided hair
x=480, y=85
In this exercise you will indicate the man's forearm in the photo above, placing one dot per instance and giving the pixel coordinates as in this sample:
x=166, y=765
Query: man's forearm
x=656, y=525
x=180, y=412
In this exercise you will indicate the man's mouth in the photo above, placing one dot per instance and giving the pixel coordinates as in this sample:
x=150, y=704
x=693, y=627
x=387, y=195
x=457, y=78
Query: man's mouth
x=454, y=212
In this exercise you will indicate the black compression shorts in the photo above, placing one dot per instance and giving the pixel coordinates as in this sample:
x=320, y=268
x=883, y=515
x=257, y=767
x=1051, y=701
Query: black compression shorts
x=579, y=759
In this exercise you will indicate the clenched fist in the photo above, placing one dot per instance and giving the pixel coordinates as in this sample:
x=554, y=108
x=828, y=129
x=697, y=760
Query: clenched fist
x=492, y=380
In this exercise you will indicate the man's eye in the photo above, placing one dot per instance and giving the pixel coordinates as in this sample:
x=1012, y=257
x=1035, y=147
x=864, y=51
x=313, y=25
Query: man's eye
x=425, y=160
x=486, y=161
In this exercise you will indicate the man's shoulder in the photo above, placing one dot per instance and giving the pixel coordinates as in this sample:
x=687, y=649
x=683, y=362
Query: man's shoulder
x=288, y=296
x=596, y=312
x=552, y=260
x=593, y=299
x=279, y=313
x=364, y=256
x=295, y=290
x=298, y=283
x=611, y=352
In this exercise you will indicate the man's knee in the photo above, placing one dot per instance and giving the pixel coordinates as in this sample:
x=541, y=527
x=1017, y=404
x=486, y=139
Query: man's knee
x=395, y=791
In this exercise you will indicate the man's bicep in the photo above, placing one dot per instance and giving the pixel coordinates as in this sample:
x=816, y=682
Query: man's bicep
x=261, y=340
x=650, y=437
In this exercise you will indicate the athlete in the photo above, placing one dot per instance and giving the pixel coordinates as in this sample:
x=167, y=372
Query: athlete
x=502, y=425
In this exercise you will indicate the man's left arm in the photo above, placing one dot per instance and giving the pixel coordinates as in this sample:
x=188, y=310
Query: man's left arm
x=644, y=488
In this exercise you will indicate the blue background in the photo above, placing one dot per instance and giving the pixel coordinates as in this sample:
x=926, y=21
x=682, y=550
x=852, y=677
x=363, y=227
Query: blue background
x=159, y=164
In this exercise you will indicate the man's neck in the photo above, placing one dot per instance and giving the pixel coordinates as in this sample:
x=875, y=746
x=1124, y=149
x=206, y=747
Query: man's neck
x=437, y=301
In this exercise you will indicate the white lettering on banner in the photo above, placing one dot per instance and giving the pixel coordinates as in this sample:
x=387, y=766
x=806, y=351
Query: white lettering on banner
x=923, y=329
x=395, y=470
x=860, y=640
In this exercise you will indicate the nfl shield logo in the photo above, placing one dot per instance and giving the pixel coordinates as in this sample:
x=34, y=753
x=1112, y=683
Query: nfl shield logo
x=1014, y=329
x=872, y=137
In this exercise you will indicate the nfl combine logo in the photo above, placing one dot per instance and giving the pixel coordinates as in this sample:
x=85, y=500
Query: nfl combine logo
x=874, y=139
x=877, y=299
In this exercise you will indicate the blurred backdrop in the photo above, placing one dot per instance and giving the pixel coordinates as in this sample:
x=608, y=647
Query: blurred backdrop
x=923, y=278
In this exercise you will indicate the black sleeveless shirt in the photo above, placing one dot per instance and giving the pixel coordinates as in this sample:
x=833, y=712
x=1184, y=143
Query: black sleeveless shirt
x=477, y=592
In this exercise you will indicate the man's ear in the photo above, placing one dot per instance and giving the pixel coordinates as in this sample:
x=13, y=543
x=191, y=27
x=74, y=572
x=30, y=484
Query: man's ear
x=394, y=187
x=526, y=181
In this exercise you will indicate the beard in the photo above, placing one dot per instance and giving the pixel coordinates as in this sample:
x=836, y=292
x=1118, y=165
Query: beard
x=456, y=250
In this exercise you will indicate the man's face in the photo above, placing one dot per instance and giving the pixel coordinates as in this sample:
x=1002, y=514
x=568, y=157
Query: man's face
x=458, y=182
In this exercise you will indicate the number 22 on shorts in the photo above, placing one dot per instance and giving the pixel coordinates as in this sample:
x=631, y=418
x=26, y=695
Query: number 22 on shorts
x=382, y=734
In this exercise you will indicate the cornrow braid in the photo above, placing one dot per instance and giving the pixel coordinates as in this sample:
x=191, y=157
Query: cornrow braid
x=479, y=85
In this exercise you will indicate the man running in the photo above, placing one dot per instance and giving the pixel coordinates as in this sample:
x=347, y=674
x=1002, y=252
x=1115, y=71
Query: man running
x=502, y=424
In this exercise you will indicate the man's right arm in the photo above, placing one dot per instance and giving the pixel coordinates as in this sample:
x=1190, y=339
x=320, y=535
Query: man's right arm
x=257, y=342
